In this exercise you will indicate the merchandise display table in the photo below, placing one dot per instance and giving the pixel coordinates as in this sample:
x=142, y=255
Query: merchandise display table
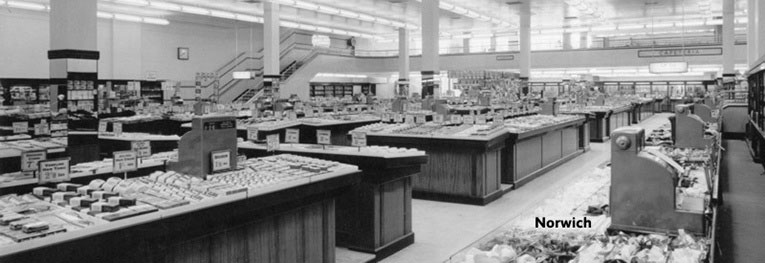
x=339, y=128
x=641, y=110
x=159, y=143
x=461, y=169
x=11, y=151
x=376, y=215
x=530, y=153
x=603, y=119
x=292, y=221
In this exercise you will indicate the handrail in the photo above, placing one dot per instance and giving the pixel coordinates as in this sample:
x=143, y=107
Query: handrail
x=230, y=61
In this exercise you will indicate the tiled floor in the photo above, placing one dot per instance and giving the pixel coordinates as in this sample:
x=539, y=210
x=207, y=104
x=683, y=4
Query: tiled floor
x=443, y=229
x=741, y=219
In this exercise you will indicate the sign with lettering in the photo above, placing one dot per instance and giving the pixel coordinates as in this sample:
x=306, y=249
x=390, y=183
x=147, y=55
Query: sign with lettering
x=102, y=127
x=438, y=118
x=323, y=136
x=419, y=119
x=220, y=160
x=272, y=142
x=468, y=119
x=30, y=160
x=20, y=127
x=219, y=125
x=680, y=52
x=480, y=119
x=292, y=136
x=142, y=148
x=252, y=133
x=117, y=128
x=124, y=161
x=409, y=119
x=358, y=139
x=398, y=118
x=42, y=129
x=456, y=119
x=56, y=170
x=505, y=57
x=668, y=67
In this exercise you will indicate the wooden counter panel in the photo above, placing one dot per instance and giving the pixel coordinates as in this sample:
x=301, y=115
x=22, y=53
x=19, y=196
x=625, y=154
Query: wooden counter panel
x=569, y=140
x=528, y=157
x=448, y=173
x=551, y=147
x=393, y=210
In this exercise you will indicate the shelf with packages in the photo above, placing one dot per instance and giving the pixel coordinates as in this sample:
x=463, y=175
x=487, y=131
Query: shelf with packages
x=110, y=142
x=470, y=175
x=375, y=216
x=285, y=200
x=538, y=143
x=755, y=129
x=602, y=119
x=12, y=152
x=338, y=124
x=30, y=121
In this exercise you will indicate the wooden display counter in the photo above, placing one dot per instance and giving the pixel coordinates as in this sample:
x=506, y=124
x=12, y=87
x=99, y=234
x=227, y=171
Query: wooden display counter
x=603, y=122
x=619, y=117
x=642, y=110
x=294, y=224
x=459, y=169
x=339, y=130
x=159, y=143
x=530, y=154
x=376, y=215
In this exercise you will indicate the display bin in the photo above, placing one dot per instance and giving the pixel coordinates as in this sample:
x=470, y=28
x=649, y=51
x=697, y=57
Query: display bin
x=293, y=224
x=376, y=215
x=530, y=154
x=459, y=169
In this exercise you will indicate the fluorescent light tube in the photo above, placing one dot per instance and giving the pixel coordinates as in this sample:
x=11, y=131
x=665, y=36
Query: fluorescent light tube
x=26, y=5
x=156, y=21
x=165, y=6
x=306, y=5
x=222, y=14
x=128, y=18
x=367, y=18
x=104, y=15
x=133, y=2
x=249, y=18
x=289, y=24
x=329, y=10
x=195, y=10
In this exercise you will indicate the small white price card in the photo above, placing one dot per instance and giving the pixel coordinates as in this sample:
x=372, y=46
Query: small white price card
x=20, y=127
x=220, y=160
x=456, y=119
x=438, y=118
x=385, y=117
x=419, y=119
x=252, y=133
x=272, y=142
x=468, y=119
x=59, y=126
x=409, y=119
x=292, y=115
x=42, y=129
x=323, y=136
x=124, y=161
x=102, y=127
x=30, y=160
x=278, y=115
x=480, y=119
x=56, y=170
x=117, y=128
x=308, y=112
x=292, y=136
x=398, y=118
x=142, y=148
x=241, y=159
x=358, y=139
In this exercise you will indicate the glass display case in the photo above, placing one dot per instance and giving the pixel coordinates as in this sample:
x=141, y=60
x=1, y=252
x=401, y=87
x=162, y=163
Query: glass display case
x=643, y=89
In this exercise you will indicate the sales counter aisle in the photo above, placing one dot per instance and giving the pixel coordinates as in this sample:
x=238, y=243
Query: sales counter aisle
x=443, y=229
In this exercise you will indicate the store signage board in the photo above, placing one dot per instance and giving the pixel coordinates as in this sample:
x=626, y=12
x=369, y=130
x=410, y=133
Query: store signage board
x=142, y=148
x=668, y=67
x=505, y=57
x=252, y=133
x=56, y=170
x=468, y=119
x=323, y=136
x=359, y=139
x=31, y=159
x=679, y=52
x=409, y=119
x=480, y=119
x=456, y=119
x=124, y=161
x=58, y=126
x=438, y=118
x=292, y=136
x=272, y=142
x=221, y=160
x=420, y=119
x=117, y=128
x=20, y=127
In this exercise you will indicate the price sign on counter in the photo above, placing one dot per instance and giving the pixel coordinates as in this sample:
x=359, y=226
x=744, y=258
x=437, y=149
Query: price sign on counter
x=292, y=136
x=438, y=118
x=220, y=160
x=117, y=128
x=323, y=136
x=468, y=119
x=102, y=127
x=419, y=119
x=456, y=119
x=480, y=119
x=31, y=159
x=252, y=133
x=409, y=119
x=359, y=139
x=42, y=128
x=56, y=170
x=308, y=111
x=124, y=161
x=20, y=127
x=240, y=160
x=398, y=118
x=292, y=115
x=142, y=148
x=385, y=117
x=278, y=115
x=58, y=126
x=272, y=142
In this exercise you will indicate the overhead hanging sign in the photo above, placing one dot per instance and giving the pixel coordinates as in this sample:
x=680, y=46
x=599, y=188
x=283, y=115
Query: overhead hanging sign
x=680, y=52
x=668, y=67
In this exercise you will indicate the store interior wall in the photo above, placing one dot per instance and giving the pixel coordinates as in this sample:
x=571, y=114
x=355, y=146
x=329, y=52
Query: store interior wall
x=128, y=50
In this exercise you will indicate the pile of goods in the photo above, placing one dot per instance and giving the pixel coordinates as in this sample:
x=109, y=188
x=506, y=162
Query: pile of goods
x=532, y=122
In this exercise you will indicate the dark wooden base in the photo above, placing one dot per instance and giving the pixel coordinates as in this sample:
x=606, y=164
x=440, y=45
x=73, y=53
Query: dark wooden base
x=387, y=250
x=733, y=135
x=547, y=168
x=600, y=139
x=461, y=199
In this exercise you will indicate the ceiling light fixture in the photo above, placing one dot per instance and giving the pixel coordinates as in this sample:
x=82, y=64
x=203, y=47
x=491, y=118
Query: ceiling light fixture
x=156, y=21
x=129, y=18
x=165, y=6
x=195, y=10
x=26, y=5
x=133, y=2
x=222, y=14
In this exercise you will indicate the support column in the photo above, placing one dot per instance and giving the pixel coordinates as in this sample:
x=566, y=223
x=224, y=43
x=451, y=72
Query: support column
x=566, y=41
x=751, y=29
x=271, y=76
x=466, y=45
x=430, y=36
x=728, y=37
x=760, y=26
x=403, y=63
x=73, y=59
x=525, y=41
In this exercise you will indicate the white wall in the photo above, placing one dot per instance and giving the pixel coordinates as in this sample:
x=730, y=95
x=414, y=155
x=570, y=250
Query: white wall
x=128, y=50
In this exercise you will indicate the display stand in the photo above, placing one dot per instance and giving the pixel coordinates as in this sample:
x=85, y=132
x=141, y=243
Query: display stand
x=208, y=135
x=376, y=215
x=460, y=170
x=530, y=154
x=642, y=194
